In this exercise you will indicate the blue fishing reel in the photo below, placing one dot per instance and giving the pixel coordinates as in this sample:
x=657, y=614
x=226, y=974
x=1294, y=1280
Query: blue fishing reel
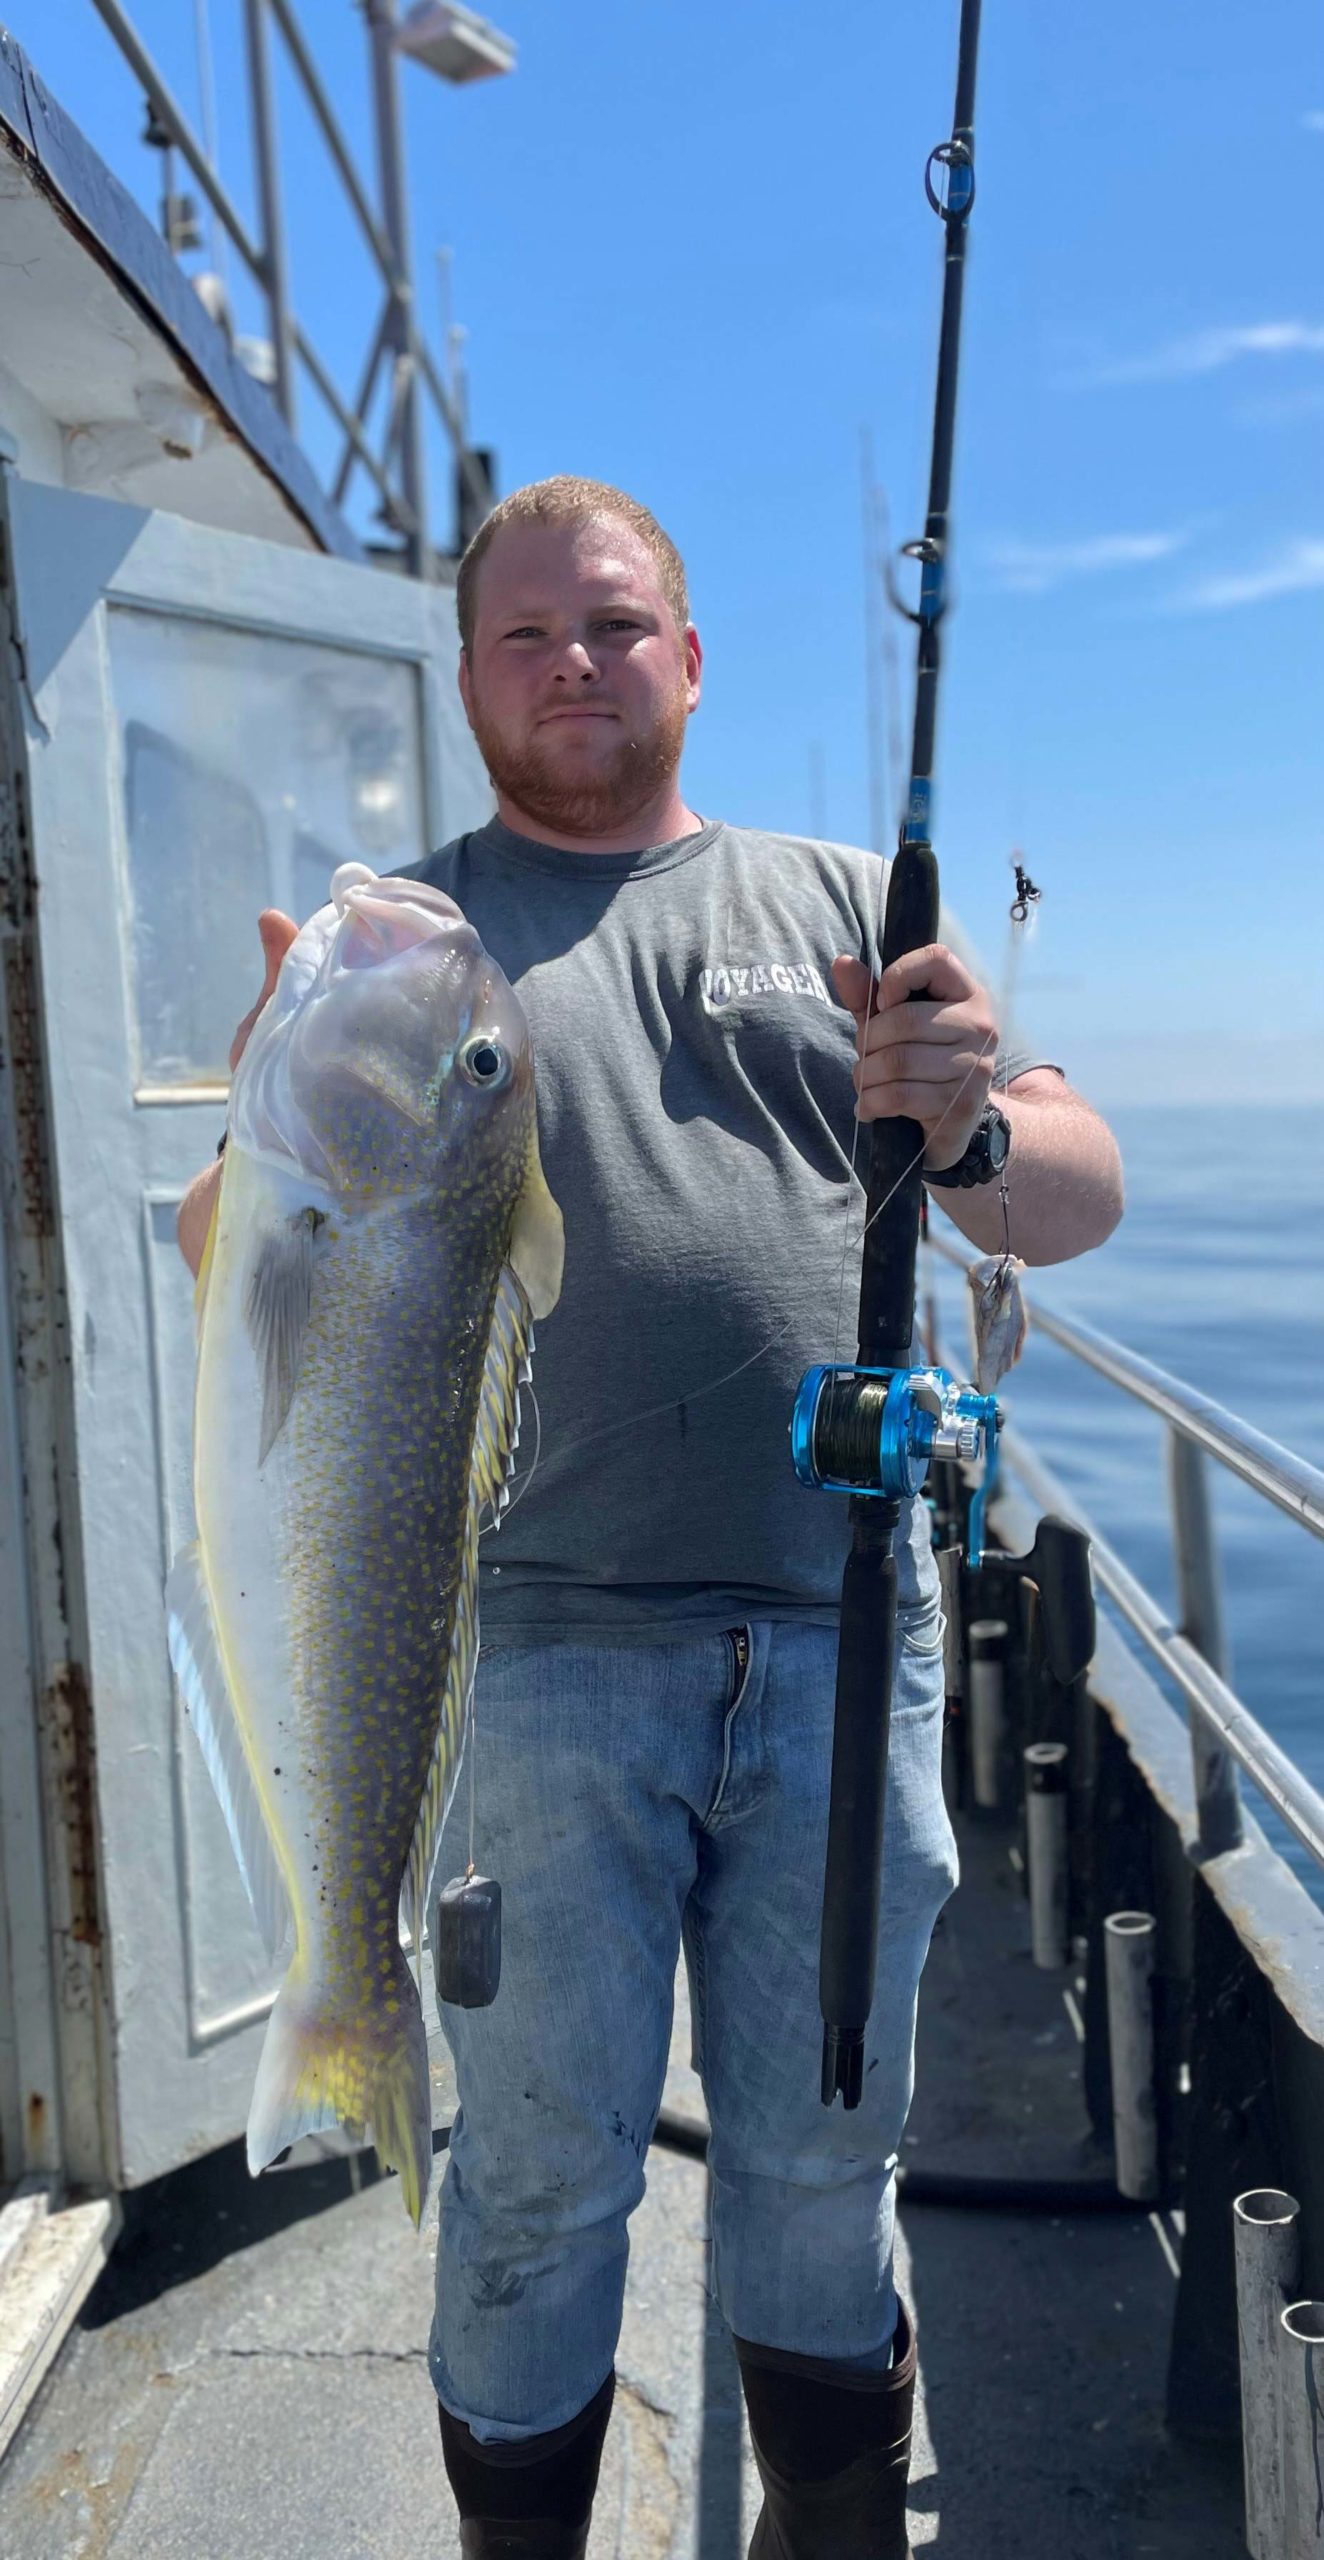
x=878, y=1431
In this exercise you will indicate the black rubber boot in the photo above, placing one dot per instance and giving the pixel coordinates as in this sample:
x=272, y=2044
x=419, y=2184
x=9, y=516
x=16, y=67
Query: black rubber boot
x=529, y=2501
x=833, y=2451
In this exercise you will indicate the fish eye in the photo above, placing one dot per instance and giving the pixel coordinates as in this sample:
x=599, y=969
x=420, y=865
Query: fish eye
x=484, y=1062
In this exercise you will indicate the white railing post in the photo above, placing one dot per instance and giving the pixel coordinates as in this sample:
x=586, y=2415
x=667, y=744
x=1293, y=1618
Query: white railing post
x=1200, y=1599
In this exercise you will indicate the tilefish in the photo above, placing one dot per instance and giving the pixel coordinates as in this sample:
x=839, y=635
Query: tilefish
x=382, y=1243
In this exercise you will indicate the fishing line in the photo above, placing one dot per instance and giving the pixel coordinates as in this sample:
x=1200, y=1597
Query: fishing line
x=651, y=1413
x=870, y=1010
x=888, y=800
x=1026, y=899
x=473, y=1780
x=893, y=774
x=1027, y=896
x=896, y=736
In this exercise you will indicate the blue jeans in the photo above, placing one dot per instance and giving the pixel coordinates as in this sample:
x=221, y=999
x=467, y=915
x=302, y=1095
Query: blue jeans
x=631, y=1799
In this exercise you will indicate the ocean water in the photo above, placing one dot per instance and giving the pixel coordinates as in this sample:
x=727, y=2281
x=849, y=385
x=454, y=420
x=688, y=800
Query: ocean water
x=1217, y=1273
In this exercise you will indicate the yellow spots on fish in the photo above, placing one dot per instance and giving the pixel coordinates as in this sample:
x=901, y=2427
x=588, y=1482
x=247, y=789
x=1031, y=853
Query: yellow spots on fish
x=378, y=1453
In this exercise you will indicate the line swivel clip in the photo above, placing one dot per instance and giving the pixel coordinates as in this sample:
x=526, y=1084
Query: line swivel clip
x=1027, y=895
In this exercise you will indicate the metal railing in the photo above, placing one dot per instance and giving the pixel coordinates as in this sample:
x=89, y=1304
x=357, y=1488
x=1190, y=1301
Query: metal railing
x=396, y=468
x=1224, y=1733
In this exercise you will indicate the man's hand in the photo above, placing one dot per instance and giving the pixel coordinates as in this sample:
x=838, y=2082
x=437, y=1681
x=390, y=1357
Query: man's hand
x=195, y=1209
x=277, y=932
x=931, y=1061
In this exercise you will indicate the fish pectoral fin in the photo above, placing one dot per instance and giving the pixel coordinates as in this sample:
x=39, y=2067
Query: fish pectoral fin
x=277, y=1301
x=196, y=1654
x=537, y=1238
x=506, y=1368
x=208, y=1254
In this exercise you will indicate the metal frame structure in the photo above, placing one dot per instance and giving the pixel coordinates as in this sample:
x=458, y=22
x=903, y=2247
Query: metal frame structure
x=1194, y=1654
x=397, y=470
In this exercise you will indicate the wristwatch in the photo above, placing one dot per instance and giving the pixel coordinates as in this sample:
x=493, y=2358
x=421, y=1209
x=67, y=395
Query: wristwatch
x=985, y=1156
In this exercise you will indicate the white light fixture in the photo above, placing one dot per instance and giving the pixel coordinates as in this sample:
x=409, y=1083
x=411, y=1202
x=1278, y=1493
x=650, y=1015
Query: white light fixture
x=453, y=42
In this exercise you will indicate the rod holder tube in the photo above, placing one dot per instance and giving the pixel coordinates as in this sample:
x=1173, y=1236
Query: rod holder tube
x=1046, y=1851
x=1128, y=1940
x=984, y=1643
x=1267, y=2240
x=1301, y=2389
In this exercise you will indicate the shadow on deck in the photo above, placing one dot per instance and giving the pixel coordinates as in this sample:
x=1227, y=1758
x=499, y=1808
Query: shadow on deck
x=249, y=2377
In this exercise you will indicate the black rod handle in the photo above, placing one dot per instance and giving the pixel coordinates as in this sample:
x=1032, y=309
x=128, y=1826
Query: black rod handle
x=853, y=1875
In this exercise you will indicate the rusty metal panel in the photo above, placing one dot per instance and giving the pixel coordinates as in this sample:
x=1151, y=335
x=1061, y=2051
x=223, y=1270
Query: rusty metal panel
x=53, y=2121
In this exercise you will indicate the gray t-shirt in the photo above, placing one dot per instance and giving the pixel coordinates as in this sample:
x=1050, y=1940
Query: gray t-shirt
x=695, y=1117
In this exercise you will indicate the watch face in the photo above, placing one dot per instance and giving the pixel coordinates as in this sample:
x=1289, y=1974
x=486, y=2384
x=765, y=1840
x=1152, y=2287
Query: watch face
x=999, y=1141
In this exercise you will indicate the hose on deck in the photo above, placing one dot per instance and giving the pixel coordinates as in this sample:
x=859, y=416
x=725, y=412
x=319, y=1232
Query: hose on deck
x=946, y=2186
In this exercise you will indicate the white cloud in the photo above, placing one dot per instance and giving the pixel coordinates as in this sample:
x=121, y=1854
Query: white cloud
x=1295, y=569
x=1031, y=568
x=1209, y=350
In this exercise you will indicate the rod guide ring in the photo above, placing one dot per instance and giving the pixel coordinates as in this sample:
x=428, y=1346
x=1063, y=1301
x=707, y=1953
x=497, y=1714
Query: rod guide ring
x=957, y=159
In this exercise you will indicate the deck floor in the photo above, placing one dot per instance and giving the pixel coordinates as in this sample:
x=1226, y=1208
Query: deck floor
x=248, y=2380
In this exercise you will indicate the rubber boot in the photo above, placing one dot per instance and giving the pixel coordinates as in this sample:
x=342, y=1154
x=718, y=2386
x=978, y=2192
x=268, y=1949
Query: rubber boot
x=529, y=2501
x=833, y=2451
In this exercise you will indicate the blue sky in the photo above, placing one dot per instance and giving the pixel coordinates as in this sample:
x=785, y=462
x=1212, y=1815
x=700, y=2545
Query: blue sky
x=693, y=256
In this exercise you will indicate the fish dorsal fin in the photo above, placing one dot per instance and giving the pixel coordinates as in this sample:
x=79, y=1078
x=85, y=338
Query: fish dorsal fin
x=196, y=1654
x=537, y=1238
x=506, y=1369
x=277, y=1301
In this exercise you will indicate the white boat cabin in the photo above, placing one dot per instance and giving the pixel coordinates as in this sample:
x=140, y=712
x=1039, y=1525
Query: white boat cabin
x=208, y=699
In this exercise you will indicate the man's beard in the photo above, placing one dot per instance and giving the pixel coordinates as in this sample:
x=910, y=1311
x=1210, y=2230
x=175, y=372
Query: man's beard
x=601, y=803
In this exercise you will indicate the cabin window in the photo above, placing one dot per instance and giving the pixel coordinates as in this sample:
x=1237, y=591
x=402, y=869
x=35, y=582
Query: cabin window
x=250, y=766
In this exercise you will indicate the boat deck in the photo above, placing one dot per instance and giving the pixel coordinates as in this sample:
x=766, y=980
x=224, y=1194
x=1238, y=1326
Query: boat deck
x=249, y=2377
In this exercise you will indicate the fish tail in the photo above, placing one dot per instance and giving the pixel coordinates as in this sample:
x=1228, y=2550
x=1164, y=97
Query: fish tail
x=320, y=2069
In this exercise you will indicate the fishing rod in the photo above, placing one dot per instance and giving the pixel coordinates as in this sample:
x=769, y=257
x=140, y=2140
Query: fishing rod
x=871, y=1429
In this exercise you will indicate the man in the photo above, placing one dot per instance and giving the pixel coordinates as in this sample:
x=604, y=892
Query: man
x=654, y=1697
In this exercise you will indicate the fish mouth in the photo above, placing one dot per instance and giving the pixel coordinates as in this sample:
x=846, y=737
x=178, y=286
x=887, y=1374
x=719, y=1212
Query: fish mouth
x=382, y=919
